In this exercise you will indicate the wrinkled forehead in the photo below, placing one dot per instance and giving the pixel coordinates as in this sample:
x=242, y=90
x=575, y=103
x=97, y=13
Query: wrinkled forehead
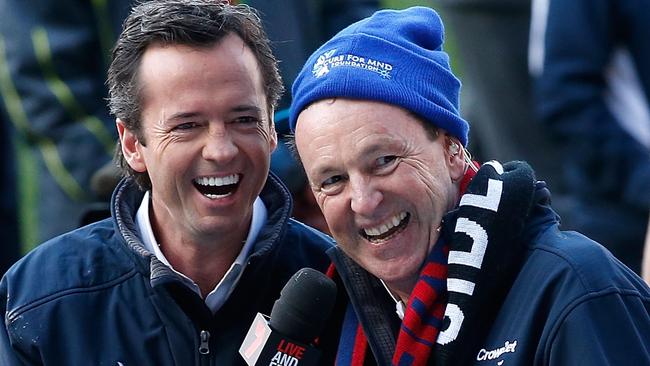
x=346, y=130
x=358, y=119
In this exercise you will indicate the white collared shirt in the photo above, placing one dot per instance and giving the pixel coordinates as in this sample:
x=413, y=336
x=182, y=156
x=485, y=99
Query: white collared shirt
x=218, y=296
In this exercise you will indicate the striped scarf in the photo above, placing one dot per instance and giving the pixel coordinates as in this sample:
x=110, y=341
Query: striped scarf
x=422, y=318
x=425, y=311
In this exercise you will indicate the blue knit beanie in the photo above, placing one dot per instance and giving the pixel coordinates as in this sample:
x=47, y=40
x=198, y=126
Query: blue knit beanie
x=394, y=57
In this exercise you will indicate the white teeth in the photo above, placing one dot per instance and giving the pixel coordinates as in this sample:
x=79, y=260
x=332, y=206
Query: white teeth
x=215, y=196
x=218, y=181
x=383, y=228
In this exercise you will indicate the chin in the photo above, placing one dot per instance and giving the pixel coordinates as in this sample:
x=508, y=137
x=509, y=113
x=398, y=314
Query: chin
x=394, y=272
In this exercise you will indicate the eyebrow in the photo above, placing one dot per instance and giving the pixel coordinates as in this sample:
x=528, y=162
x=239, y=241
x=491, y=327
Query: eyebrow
x=321, y=169
x=324, y=172
x=183, y=115
x=236, y=109
x=247, y=108
x=374, y=147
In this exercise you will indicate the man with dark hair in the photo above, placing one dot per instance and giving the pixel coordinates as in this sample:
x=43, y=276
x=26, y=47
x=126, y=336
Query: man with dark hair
x=200, y=238
x=445, y=262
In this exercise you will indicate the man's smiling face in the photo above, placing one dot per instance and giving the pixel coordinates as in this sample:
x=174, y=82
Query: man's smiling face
x=207, y=137
x=381, y=181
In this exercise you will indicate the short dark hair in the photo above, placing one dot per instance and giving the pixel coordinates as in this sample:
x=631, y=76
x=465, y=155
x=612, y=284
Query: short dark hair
x=194, y=23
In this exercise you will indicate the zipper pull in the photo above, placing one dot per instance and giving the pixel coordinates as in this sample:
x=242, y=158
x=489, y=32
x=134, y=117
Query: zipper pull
x=204, y=347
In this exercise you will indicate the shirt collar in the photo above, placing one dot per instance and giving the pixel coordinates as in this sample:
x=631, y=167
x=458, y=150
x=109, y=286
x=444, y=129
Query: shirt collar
x=222, y=290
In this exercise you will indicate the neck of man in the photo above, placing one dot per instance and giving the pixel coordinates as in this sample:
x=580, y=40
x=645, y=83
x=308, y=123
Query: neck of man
x=203, y=258
x=206, y=266
x=401, y=290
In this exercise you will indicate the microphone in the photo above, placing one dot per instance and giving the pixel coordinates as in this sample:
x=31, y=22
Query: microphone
x=297, y=318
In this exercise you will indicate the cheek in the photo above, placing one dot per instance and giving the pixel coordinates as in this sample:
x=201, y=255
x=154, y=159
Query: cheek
x=429, y=185
x=430, y=177
x=166, y=149
x=325, y=207
x=333, y=210
x=263, y=133
x=258, y=145
x=418, y=177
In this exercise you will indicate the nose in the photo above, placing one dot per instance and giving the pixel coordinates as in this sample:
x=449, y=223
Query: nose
x=365, y=198
x=219, y=145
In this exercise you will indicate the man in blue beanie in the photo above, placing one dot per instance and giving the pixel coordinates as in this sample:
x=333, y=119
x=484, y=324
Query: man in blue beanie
x=445, y=261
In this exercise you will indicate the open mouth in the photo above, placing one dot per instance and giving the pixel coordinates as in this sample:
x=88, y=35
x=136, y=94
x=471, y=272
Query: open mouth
x=388, y=229
x=217, y=187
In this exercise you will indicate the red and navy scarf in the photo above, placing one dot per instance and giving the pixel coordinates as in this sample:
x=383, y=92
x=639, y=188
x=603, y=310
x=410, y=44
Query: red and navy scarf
x=422, y=318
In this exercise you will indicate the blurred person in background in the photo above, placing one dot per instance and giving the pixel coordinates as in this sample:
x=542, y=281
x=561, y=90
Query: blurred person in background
x=53, y=61
x=591, y=60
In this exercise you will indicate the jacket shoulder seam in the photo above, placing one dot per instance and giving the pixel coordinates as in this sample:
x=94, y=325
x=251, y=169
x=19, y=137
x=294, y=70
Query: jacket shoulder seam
x=575, y=303
x=571, y=262
x=13, y=314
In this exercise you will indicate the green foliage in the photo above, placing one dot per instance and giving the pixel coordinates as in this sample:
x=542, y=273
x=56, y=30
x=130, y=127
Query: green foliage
x=402, y=4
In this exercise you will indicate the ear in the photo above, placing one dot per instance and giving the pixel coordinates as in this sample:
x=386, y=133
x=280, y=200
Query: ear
x=273, y=135
x=131, y=147
x=455, y=156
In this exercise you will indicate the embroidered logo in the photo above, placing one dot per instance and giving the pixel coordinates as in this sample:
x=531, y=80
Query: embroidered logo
x=328, y=60
x=485, y=355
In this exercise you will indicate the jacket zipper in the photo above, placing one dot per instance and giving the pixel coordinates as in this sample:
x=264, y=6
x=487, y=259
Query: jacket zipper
x=204, y=346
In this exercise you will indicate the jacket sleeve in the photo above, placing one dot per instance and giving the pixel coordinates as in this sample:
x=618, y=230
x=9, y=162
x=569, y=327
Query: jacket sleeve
x=611, y=329
x=580, y=39
x=8, y=355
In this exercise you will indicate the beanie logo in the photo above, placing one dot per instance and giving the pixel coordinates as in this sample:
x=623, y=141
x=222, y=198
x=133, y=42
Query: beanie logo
x=321, y=68
x=328, y=61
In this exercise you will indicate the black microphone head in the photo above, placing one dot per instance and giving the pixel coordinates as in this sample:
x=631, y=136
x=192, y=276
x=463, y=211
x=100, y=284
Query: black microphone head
x=305, y=303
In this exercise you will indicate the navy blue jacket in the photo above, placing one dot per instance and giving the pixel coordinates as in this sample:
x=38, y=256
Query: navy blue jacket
x=570, y=302
x=95, y=296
